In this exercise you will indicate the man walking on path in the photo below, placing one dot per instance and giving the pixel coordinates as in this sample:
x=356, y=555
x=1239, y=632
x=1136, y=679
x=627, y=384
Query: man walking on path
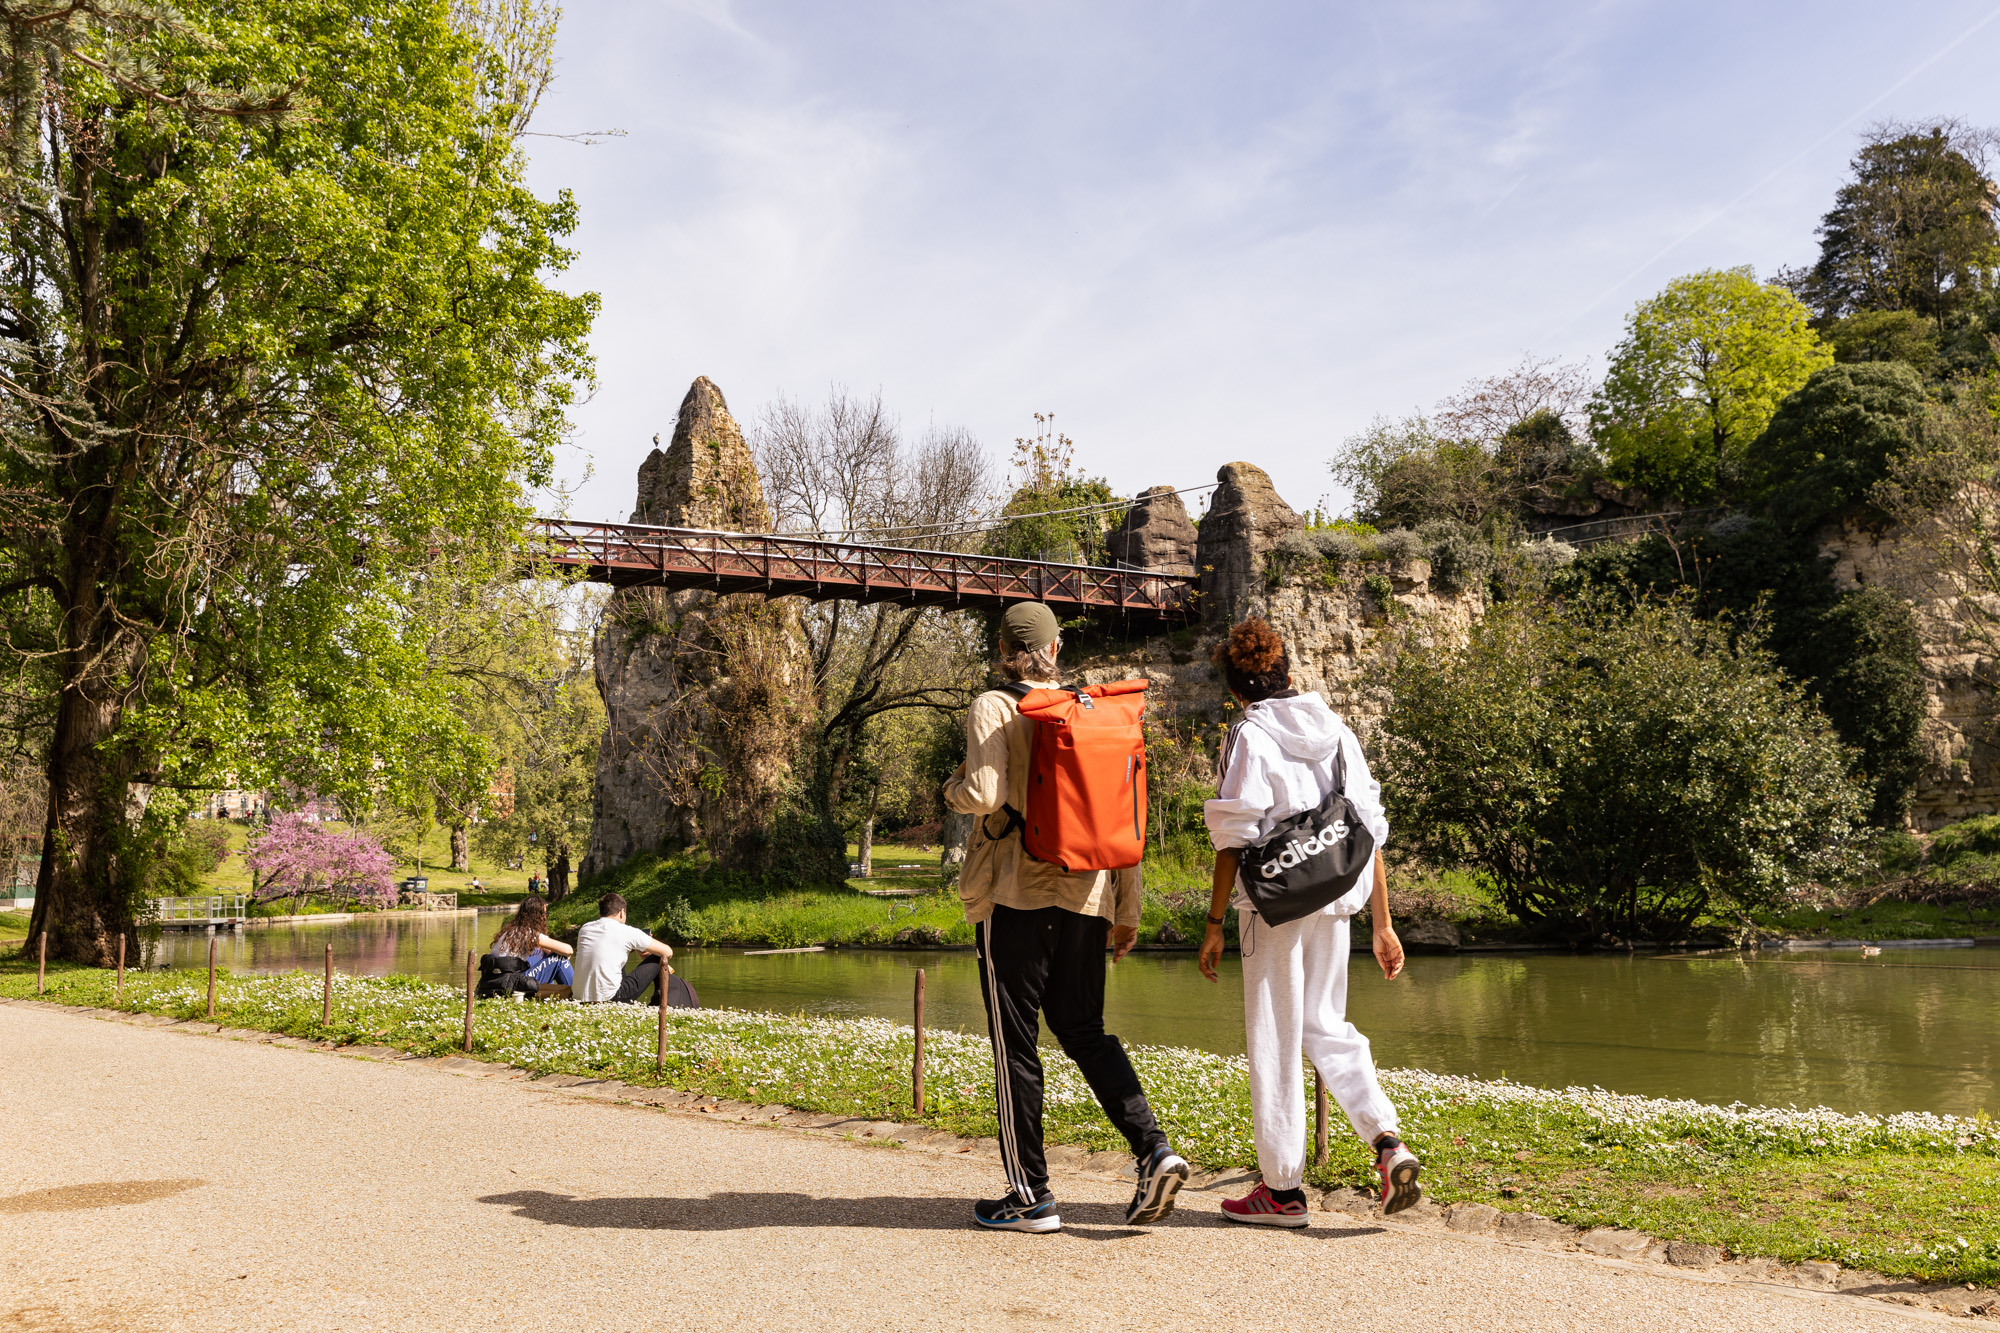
x=1041, y=935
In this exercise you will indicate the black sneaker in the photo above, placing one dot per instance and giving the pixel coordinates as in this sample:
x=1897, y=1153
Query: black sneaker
x=1010, y=1214
x=1160, y=1179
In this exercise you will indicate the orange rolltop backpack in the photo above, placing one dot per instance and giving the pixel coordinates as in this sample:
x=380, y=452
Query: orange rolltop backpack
x=1086, y=776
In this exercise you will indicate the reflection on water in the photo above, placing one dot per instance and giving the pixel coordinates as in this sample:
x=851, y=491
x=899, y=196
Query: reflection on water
x=1911, y=1030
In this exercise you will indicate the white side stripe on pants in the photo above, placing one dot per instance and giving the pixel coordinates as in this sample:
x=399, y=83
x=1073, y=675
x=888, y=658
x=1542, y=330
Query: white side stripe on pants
x=1003, y=1088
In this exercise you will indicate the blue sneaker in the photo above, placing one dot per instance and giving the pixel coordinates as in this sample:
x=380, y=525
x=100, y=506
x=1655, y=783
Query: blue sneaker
x=1160, y=1179
x=1011, y=1214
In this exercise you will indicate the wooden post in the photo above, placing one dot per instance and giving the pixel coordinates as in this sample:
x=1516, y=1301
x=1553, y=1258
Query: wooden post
x=471, y=971
x=42, y=965
x=917, y=1064
x=211, y=976
x=121, y=971
x=326, y=999
x=1320, y=1147
x=660, y=1054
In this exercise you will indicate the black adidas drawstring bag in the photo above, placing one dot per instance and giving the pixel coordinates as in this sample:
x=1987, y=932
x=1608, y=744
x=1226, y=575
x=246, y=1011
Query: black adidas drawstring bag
x=1311, y=858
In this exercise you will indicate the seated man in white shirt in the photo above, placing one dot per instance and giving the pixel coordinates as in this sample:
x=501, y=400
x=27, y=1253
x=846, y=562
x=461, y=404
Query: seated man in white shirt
x=603, y=945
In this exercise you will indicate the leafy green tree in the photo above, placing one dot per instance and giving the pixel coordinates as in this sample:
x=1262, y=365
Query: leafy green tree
x=274, y=336
x=1404, y=475
x=1885, y=336
x=545, y=735
x=1914, y=230
x=1616, y=772
x=1855, y=650
x=1702, y=368
x=1055, y=512
x=1830, y=443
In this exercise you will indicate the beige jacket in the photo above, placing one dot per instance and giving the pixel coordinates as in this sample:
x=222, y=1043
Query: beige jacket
x=998, y=871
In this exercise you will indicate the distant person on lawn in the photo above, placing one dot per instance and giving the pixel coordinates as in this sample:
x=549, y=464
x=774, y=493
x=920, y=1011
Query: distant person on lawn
x=1287, y=754
x=1041, y=935
x=603, y=945
x=526, y=937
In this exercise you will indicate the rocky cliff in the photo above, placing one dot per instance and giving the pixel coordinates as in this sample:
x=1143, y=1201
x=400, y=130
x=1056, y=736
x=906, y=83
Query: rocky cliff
x=708, y=698
x=1343, y=636
x=1961, y=776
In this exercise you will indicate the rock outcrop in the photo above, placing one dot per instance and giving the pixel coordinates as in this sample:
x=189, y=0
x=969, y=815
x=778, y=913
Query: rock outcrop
x=706, y=477
x=1156, y=534
x=1342, y=639
x=1245, y=519
x=707, y=698
x=1961, y=774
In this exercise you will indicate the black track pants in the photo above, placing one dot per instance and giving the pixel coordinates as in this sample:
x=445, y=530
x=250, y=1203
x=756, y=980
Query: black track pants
x=638, y=981
x=1051, y=962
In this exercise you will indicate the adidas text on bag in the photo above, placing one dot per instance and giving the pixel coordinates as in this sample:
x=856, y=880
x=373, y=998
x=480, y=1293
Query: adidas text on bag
x=1086, y=776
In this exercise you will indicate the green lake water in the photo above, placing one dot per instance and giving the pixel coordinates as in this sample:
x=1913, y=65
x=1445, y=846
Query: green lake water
x=1909, y=1030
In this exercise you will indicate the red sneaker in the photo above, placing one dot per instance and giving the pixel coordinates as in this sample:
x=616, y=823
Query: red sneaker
x=1259, y=1209
x=1399, y=1168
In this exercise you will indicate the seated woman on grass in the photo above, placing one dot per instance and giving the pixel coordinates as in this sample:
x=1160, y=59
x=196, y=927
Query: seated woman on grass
x=526, y=937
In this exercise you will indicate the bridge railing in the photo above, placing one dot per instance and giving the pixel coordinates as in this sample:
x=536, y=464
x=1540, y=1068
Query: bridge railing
x=784, y=565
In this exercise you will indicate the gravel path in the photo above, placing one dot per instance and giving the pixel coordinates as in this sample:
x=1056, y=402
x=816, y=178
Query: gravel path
x=153, y=1178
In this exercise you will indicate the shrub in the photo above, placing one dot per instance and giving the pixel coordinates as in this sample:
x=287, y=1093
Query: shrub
x=1615, y=771
x=1980, y=836
x=1399, y=544
x=1460, y=558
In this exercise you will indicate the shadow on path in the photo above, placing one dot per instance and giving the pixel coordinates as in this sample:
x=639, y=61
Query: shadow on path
x=741, y=1212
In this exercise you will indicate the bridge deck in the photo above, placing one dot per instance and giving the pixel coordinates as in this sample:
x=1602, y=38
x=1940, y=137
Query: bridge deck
x=775, y=565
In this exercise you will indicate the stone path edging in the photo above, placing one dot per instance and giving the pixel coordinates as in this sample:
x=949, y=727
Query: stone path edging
x=1476, y=1223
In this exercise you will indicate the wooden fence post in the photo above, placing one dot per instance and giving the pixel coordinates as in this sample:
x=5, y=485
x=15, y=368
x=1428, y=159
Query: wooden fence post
x=917, y=1065
x=1320, y=1148
x=42, y=965
x=471, y=971
x=326, y=1000
x=660, y=1054
x=211, y=976
x=121, y=970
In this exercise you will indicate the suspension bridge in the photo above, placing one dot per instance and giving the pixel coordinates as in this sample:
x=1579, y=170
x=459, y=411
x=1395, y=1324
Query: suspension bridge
x=629, y=555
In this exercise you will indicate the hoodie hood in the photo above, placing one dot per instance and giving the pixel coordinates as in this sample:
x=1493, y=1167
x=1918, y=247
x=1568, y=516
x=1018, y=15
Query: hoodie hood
x=1303, y=726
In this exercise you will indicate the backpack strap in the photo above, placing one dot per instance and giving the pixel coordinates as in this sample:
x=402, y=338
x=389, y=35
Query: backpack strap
x=1016, y=821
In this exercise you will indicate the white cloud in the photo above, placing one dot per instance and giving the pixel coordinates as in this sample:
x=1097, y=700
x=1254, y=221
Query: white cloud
x=1196, y=233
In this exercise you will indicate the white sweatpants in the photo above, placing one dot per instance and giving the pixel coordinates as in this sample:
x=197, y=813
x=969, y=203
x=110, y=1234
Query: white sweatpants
x=1295, y=996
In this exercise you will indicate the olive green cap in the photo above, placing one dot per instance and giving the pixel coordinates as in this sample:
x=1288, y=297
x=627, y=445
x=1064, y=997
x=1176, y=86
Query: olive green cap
x=1028, y=626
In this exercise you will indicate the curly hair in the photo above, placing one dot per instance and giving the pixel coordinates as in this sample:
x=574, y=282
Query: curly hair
x=1253, y=660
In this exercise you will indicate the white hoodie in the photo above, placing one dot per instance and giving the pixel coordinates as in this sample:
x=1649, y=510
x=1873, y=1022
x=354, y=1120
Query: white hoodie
x=1282, y=762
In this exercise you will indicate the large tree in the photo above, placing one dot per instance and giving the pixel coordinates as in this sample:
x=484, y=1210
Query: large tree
x=1701, y=369
x=1913, y=231
x=276, y=335
x=844, y=470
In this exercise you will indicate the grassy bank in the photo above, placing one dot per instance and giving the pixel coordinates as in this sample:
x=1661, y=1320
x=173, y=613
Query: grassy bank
x=1908, y=1195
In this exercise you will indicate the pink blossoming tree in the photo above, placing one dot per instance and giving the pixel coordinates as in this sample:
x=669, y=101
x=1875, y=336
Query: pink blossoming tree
x=296, y=856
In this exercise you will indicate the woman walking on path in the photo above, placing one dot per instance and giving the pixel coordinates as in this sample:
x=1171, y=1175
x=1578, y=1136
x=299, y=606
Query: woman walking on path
x=1041, y=935
x=525, y=936
x=1285, y=756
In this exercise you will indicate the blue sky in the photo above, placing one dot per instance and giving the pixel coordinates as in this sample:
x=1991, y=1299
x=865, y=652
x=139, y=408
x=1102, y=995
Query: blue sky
x=1194, y=232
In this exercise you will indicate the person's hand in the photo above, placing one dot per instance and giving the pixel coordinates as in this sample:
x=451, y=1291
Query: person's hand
x=1211, y=952
x=1122, y=940
x=1389, y=952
